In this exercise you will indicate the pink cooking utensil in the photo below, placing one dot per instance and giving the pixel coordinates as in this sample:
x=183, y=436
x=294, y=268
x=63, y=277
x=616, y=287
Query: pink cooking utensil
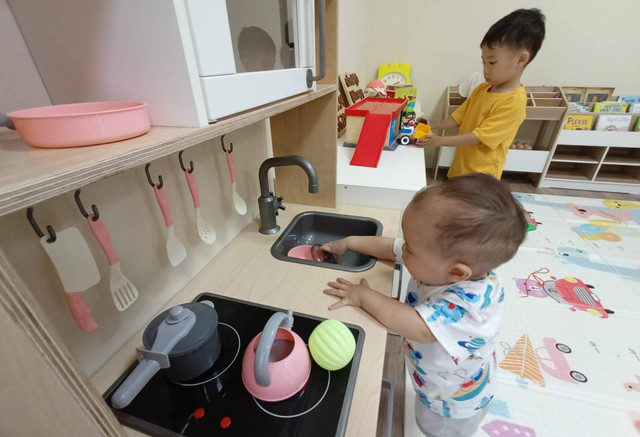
x=206, y=232
x=238, y=202
x=123, y=292
x=175, y=249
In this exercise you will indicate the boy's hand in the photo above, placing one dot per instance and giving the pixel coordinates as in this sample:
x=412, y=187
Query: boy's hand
x=337, y=247
x=429, y=140
x=348, y=292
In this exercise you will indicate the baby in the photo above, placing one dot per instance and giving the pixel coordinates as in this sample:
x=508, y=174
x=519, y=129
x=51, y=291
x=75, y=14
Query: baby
x=455, y=233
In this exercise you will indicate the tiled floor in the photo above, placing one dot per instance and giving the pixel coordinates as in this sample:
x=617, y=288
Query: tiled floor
x=394, y=361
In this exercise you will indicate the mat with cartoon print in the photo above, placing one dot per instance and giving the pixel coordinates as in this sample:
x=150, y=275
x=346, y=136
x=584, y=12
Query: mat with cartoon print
x=569, y=349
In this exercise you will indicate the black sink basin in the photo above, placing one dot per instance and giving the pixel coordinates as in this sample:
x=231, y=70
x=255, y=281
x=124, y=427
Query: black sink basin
x=314, y=227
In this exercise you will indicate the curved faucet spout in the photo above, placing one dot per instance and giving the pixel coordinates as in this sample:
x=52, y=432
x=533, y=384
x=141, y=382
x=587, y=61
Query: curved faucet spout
x=268, y=204
x=279, y=161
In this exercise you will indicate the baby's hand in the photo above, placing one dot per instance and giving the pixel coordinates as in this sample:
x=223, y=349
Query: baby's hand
x=429, y=140
x=337, y=247
x=348, y=292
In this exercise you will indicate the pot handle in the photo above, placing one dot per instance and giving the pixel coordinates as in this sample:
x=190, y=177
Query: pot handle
x=5, y=121
x=173, y=328
x=263, y=377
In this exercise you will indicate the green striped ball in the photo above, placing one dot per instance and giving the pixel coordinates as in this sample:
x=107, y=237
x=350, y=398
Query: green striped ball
x=332, y=344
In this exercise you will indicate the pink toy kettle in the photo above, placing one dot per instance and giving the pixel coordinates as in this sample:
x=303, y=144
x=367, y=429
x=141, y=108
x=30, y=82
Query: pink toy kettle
x=276, y=364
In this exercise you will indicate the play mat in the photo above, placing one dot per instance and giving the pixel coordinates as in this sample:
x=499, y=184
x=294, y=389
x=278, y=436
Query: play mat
x=568, y=353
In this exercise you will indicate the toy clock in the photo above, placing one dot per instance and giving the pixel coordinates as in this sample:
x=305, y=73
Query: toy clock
x=395, y=74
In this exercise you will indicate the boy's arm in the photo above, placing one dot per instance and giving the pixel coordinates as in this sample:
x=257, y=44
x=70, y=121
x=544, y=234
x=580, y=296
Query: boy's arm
x=398, y=317
x=380, y=247
x=447, y=123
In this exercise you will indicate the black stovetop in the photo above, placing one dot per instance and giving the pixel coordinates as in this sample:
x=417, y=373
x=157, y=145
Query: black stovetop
x=167, y=408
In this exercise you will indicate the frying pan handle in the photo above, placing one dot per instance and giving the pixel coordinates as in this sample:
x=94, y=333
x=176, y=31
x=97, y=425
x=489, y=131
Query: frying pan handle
x=80, y=311
x=263, y=377
x=5, y=121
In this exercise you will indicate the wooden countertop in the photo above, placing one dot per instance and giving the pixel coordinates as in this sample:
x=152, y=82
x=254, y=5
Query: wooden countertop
x=246, y=270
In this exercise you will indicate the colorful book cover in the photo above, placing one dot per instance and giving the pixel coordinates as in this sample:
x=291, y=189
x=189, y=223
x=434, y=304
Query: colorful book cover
x=610, y=107
x=578, y=122
x=629, y=99
x=637, y=128
x=574, y=94
x=580, y=107
x=409, y=93
x=598, y=94
x=607, y=122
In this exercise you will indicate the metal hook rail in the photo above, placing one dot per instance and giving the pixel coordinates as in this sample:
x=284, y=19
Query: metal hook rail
x=182, y=163
x=36, y=228
x=96, y=213
x=146, y=170
x=223, y=148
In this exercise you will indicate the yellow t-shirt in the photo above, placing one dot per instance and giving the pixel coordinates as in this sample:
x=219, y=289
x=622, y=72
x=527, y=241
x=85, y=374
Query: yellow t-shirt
x=494, y=118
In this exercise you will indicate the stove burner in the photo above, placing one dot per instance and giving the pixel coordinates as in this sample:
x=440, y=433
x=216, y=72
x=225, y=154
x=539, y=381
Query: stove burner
x=302, y=402
x=230, y=351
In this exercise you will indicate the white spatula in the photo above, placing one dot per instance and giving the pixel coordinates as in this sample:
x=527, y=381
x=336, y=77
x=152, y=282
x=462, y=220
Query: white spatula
x=77, y=270
x=238, y=202
x=175, y=249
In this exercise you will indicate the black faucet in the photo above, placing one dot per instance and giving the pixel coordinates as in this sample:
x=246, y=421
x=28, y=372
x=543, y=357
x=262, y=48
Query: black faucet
x=268, y=204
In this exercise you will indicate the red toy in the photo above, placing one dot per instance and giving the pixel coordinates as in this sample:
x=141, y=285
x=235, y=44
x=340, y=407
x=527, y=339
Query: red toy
x=381, y=123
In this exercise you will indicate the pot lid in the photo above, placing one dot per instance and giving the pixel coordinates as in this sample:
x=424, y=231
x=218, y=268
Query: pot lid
x=205, y=326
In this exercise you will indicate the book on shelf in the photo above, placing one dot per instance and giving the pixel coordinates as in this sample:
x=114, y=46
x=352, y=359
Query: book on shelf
x=629, y=99
x=574, y=94
x=637, y=127
x=598, y=94
x=635, y=107
x=578, y=122
x=580, y=107
x=610, y=107
x=612, y=123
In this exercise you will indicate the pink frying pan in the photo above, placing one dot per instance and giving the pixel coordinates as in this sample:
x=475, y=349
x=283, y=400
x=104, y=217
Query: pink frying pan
x=79, y=124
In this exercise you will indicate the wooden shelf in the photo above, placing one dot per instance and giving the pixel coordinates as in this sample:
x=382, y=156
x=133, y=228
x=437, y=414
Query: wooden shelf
x=599, y=138
x=29, y=175
x=567, y=157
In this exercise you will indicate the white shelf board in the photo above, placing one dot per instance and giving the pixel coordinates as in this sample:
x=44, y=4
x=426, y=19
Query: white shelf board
x=529, y=161
x=565, y=157
x=599, y=138
x=402, y=169
x=591, y=185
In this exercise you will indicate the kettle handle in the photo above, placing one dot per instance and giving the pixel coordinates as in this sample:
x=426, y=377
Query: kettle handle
x=263, y=377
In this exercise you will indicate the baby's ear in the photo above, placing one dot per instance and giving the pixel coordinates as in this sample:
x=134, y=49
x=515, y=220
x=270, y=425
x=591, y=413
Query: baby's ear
x=459, y=272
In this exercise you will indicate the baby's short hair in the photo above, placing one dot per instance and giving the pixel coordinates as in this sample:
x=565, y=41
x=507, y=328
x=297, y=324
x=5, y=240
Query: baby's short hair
x=521, y=29
x=486, y=224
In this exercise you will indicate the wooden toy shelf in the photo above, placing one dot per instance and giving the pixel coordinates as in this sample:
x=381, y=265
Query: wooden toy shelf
x=546, y=108
x=595, y=160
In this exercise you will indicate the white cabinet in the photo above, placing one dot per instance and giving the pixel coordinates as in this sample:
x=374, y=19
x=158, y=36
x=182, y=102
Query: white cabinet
x=400, y=174
x=185, y=58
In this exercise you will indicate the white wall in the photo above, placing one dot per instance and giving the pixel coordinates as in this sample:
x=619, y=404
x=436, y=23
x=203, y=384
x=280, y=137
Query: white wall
x=20, y=83
x=588, y=42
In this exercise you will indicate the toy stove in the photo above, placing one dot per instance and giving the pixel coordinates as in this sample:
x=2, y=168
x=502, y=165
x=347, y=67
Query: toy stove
x=217, y=403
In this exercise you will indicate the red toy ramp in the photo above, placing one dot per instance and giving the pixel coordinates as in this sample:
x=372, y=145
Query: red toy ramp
x=378, y=113
x=372, y=140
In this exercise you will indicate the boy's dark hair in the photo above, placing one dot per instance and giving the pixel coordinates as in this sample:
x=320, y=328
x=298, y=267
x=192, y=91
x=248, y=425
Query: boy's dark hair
x=521, y=29
x=487, y=226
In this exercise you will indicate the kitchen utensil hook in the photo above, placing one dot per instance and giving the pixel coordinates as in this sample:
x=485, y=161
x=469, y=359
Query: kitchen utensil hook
x=96, y=214
x=182, y=163
x=34, y=225
x=146, y=170
x=223, y=148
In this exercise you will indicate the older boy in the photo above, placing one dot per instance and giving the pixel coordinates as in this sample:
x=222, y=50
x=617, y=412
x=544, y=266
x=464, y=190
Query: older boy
x=491, y=116
x=455, y=233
